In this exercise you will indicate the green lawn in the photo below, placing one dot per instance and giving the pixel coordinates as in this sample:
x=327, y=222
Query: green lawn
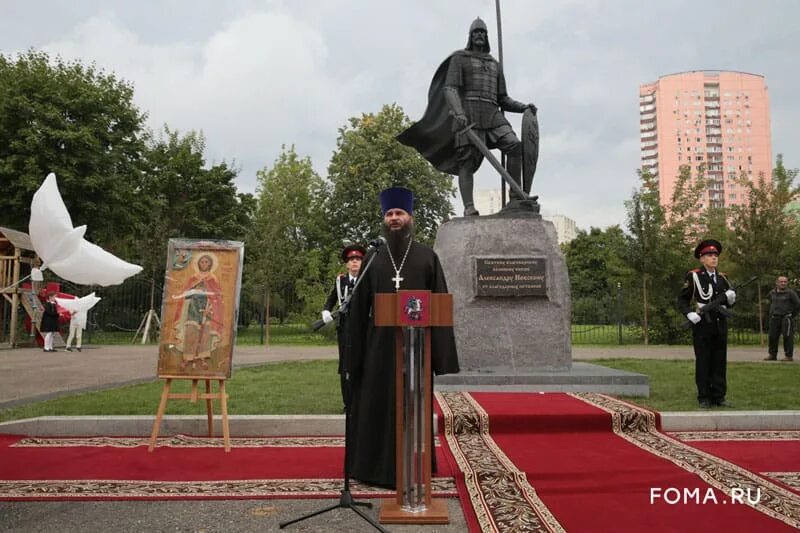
x=312, y=387
x=751, y=386
x=306, y=387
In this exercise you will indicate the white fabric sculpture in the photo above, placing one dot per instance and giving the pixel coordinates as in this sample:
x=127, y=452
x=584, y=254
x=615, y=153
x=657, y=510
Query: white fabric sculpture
x=62, y=247
x=79, y=306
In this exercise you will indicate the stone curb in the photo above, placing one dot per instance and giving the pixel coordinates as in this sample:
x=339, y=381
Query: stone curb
x=333, y=425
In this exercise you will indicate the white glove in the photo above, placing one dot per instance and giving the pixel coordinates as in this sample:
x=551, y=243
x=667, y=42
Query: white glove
x=327, y=317
x=693, y=317
x=731, y=294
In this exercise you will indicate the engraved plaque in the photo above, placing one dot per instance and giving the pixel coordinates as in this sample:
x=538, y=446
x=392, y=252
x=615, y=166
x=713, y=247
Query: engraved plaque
x=510, y=276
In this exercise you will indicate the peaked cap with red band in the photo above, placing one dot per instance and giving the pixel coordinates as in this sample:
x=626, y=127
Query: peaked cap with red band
x=708, y=246
x=354, y=250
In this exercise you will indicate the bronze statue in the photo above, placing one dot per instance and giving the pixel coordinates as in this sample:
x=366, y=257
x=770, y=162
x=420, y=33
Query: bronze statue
x=464, y=119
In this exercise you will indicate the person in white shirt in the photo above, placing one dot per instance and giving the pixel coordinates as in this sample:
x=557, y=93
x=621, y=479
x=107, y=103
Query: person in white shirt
x=77, y=324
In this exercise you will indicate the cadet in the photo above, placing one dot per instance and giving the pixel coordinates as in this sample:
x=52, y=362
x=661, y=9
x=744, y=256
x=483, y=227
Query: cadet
x=342, y=287
x=709, y=329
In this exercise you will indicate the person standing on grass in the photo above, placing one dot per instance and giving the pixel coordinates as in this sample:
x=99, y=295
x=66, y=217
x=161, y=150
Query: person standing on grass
x=709, y=329
x=342, y=288
x=783, y=307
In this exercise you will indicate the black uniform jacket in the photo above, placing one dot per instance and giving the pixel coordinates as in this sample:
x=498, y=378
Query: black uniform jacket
x=697, y=286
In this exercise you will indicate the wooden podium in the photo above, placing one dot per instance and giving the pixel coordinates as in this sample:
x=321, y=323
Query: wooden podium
x=413, y=313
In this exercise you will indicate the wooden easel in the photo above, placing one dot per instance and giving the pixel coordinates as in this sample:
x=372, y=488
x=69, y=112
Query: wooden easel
x=389, y=312
x=193, y=396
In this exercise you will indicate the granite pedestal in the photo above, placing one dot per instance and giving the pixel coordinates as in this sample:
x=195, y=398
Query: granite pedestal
x=503, y=316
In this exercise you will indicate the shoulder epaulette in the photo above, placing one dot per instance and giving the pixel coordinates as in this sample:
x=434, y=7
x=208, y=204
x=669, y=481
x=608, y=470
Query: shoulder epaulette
x=695, y=270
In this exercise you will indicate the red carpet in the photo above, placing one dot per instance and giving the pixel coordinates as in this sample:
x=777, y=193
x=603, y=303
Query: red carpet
x=588, y=462
x=181, y=467
x=772, y=454
x=521, y=462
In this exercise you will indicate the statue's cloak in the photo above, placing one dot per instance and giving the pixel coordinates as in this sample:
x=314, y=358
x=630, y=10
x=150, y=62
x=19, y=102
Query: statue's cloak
x=433, y=135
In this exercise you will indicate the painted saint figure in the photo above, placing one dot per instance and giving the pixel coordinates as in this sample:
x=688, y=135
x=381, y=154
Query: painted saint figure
x=198, y=319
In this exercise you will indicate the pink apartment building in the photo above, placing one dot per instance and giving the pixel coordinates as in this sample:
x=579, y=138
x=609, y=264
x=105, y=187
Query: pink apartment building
x=717, y=120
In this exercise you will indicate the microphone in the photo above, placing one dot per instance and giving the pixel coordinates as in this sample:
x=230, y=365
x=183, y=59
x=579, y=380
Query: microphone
x=377, y=243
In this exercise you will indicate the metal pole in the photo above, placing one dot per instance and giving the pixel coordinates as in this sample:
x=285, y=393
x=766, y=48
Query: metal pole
x=266, y=317
x=619, y=311
x=413, y=437
x=760, y=318
x=500, y=60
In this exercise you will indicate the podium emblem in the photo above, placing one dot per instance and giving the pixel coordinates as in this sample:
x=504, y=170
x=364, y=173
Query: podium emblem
x=414, y=308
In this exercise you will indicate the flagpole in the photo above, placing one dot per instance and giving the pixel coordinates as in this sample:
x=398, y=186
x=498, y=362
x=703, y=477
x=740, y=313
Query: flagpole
x=500, y=59
x=499, y=34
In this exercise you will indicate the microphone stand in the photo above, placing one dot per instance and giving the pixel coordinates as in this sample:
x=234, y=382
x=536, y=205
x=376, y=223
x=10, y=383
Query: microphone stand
x=346, y=500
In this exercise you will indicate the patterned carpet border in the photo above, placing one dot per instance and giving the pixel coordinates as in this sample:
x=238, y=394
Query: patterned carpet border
x=179, y=441
x=99, y=489
x=500, y=494
x=638, y=426
x=791, y=479
x=183, y=441
x=695, y=436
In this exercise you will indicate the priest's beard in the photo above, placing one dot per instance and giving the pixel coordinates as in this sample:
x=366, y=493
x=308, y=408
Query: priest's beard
x=398, y=239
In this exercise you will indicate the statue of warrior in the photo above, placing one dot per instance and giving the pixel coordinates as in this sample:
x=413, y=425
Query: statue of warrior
x=468, y=91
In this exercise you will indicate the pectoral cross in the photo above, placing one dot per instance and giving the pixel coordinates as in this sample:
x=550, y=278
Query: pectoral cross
x=397, y=279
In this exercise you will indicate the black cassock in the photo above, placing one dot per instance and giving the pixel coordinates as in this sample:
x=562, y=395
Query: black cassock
x=371, y=362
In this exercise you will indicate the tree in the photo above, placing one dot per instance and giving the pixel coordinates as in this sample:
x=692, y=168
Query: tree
x=656, y=253
x=184, y=198
x=762, y=242
x=765, y=241
x=286, y=243
x=76, y=121
x=369, y=159
x=597, y=268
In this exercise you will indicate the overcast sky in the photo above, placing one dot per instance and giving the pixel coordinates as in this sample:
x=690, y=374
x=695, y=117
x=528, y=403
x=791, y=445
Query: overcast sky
x=253, y=75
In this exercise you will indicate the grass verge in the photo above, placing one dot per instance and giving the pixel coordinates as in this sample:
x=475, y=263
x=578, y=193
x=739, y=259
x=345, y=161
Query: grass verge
x=751, y=386
x=312, y=387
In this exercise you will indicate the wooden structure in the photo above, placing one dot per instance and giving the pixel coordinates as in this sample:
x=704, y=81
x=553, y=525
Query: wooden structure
x=193, y=396
x=17, y=257
x=433, y=310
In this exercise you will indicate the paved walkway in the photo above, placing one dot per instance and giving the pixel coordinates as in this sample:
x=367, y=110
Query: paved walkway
x=28, y=374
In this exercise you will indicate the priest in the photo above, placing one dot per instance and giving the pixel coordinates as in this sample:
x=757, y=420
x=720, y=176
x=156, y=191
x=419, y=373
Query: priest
x=402, y=264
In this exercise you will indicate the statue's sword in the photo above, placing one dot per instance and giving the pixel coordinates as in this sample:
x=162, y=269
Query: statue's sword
x=482, y=148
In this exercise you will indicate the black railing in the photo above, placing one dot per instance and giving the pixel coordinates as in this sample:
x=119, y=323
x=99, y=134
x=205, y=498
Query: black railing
x=608, y=319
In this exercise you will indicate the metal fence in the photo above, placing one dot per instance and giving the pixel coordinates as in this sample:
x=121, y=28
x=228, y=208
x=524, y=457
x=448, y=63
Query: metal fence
x=618, y=318
x=123, y=312
x=121, y=315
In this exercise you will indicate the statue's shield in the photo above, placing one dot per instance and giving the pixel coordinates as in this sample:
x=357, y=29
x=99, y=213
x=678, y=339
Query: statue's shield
x=530, y=148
